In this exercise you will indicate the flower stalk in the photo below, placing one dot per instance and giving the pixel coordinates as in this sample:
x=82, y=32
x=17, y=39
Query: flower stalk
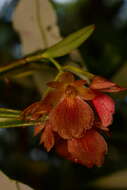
x=77, y=70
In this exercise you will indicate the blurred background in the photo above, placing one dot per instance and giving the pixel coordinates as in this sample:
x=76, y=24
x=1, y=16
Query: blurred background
x=104, y=53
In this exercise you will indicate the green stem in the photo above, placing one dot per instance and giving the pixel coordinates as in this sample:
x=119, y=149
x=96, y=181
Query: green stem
x=9, y=110
x=21, y=62
x=56, y=64
x=26, y=60
x=13, y=125
x=77, y=70
x=6, y=115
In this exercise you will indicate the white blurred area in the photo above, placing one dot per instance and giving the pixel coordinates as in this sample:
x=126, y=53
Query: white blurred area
x=121, y=18
x=3, y=3
x=65, y=1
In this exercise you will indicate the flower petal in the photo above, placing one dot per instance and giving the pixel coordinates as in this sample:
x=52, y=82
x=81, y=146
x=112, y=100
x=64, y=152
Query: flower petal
x=62, y=149
x=101, y=83
x=88, y=150
x=71, y=116
x=86, y=93
x=77, y=83
x=63, y=80
x=55, y=84
x=53, y=97
x=38, y=128
x=98, y=125
x=35, y=111
x=67, y=77
x=114, y=89
x=47, y=137
x=105, y=107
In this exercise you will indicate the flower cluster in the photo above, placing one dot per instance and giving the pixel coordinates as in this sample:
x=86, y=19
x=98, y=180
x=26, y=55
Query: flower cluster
x=71, y=116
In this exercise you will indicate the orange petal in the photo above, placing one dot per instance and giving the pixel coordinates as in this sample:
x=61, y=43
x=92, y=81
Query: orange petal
x=86, y=93
x=38, y=128
x=30, y=109
x=53, y=97
x=105, y=107
x=55, y=84
x=47, y=137
x=67, y=77
x=71, y=116
x=101, y=83
x=35, y=111
x=98, y=125
x=62, y=149
x=88, y=150
x=114, y=89
x=79, y=83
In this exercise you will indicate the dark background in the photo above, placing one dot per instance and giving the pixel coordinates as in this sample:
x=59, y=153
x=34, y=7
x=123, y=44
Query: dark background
x=105, y=54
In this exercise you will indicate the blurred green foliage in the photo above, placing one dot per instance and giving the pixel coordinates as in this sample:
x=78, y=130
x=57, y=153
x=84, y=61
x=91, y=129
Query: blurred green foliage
x=21, y=156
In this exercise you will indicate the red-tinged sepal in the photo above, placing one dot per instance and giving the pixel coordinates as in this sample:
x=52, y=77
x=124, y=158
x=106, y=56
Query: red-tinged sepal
x=104, y=85
x=35, y=111
x=88, y=150
x=47, y=137
x=114, y=89
x=105, y=108
x=99, y=83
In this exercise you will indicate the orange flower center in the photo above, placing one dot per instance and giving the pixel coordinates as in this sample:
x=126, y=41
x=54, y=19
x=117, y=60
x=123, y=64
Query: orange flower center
x=71, y=91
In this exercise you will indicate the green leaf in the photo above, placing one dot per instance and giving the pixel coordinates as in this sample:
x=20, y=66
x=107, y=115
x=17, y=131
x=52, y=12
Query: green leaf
x=11, y=118
x=9, y=111
x=16, y=71
x=8, y=123
x=18, y=64
x=25, y=65
x=69, y=43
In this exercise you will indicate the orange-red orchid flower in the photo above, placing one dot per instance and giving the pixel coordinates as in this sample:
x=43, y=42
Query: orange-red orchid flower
x=70, y=114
